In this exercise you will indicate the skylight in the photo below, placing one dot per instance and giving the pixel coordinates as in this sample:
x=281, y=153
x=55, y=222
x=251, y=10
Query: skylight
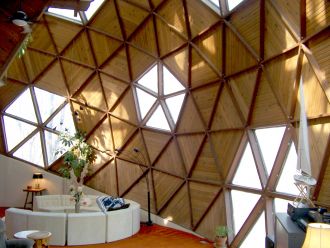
x=233, y=3
x=65, y=13
x=93, y=7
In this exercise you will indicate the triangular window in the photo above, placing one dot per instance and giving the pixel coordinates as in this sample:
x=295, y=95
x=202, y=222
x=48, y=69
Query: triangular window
x=63, y=121
x=145, y=101
x=256, y=236
x=158, y=120
x=52, y=145
x=233, y=3
x=173, y=103
x=67, y=14
x=150, y=79
x=171, y=84
x=93, y=7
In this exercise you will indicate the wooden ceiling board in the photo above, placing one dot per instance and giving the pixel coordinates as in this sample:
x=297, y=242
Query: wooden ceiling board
x=139, y=62
x=156, y=3
x=118, y=66
x=201, y=72
x=61, y=31
x=210, y=44
x=277, y=36
x=317, y=15
x=216, y=216
x=142, y=3
x=170, y=161
x=41, y=39
x=266, y=109
x=103, y=46
x=75, y=75
x=145, y=37
x=178, y=65
x=155, y=142
x=35, y=63
x=52, y=80
x=282, y=72
x=17, y=70
x=128, y=173
x=189, y=147
x=9, y=92
x=121, y=131
x=324, y=194
x=190, y=120
x=173, y=13
x=168, y=40
x=126, y=108
x=92, y=94
x=107, y=20
x=101, y=137
x=136, y=142
x=86, y=118
x=100, y=161
x=227, y=115
x=235, y=49
x=206, y=168
x=165, y=186
x=200, y=17
x=247, y=23
x=179, y=208
x=131, y=16
x=201, y=197
x=226, y=146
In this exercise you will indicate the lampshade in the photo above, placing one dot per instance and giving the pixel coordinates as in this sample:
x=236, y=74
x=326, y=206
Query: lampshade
x=37, y=175
x=317, y=236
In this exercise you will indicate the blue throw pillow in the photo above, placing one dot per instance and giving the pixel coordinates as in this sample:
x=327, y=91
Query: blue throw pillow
x=107, y=203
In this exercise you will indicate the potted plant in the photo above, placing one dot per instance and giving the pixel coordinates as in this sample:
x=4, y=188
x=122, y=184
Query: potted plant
x=221, y=233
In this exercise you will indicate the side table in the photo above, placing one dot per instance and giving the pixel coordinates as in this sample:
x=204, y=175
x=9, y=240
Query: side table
x=33, y=193
x=40, y=238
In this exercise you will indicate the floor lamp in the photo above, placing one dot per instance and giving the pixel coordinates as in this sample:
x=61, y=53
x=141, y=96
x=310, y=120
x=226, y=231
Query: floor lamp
x=138, y=157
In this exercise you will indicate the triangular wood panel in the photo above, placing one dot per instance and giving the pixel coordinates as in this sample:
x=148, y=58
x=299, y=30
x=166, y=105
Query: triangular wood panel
x=107, y=20
x=165, y=186
x=227, y=114
x=62, y=31
x=155, y=142
x=101, y=137
x=189, y=146
x=266, y=108
x=243, y=87
x=178, y=64
x=113, y=89
x=200, y=17
x=179, y=208
x=131, y=16
x=235, y=49
x=155, y=3
x=35, y=63
x=136, y=150
x=247, y=23
x=226, y=146
x=121, y=131
x=75, y=75
x=117, y=66
x=277, y=36
x=103, y=46
x=173, y=13
x=140, y=62
x=126, y=108
x=92, y=95
x=128, y=173
x=100, y=161
x=9, y=92
x=142, y=3
x=317, y=15
x=168, y=40
x=201, y=72
x=201, y=197
x=170, y=161
x=52, y=80
x=324, y=194
x=206, y=168
x=210, y=44
x=41, y=39
x=17, y=71
x=190, y=120
x=205, y=100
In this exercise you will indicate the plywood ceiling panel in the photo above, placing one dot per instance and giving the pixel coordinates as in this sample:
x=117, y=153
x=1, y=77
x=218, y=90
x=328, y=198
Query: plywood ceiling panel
x=317, y=15
x=127, y=174
x=41, y=39
x=9, y=92
x=126, y=108
x=101, y=137
x=121, y=131
x=117, y=66
x=17, y=71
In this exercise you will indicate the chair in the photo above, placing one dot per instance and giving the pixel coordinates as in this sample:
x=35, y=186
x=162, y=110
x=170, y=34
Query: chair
x=15, y=243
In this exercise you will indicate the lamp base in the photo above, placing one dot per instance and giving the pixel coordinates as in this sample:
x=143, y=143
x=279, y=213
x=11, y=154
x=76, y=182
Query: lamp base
x=147, y=223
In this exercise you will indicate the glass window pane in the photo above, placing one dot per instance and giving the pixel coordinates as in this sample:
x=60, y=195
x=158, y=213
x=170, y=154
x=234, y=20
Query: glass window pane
x=171, y=84
x=150, y=79
x=233, y=3
x=145, y=101
x=23, y=107
x=47, y=102
x=240, y=213
x=174, y=104
x=31, y=151
x=246, y=174
x=52, y=145
x=256, y=237
x=65, y=13
x=286, y=181
x=16, y=131
x=158, y=120
x=216, y=2
x=93, y=7
x=281, y=205
x=269, y=140
x=63, y=121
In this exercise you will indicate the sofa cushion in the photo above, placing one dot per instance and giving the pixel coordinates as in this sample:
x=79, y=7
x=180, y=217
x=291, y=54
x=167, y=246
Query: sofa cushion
x=110, y=203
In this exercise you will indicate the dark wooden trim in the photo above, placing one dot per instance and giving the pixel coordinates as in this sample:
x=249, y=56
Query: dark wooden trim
x=254, y=96
x=302, y=19
x=262, y=27
x=199, y=151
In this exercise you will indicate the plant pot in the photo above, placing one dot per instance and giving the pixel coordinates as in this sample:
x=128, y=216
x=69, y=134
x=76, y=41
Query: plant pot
x=220, y=242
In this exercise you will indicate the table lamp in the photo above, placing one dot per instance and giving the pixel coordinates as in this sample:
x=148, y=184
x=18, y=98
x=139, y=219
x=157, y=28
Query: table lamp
x=317, y=236
x=37, y=176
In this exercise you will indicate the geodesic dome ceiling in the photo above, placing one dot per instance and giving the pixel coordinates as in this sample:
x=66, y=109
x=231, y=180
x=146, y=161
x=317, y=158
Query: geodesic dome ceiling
x=210, y=101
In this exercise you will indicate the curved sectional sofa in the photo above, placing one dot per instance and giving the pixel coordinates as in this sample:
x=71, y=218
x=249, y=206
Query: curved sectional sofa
x=55, y=213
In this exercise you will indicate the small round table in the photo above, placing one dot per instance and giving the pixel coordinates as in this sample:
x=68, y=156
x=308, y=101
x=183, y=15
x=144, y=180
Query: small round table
x=40, y=237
